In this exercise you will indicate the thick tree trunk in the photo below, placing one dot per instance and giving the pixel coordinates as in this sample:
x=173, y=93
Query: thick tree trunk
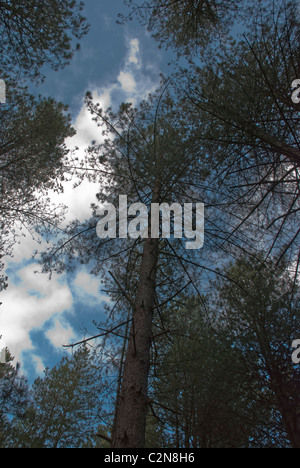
x=130, y=420
x=130, y=424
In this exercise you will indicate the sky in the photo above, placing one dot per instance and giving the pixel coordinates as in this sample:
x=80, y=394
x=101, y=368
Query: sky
x=38, y=316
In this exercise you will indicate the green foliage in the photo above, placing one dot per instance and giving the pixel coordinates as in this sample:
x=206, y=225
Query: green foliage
x=247, y=123
x=32, y=141
x=32, y=154
x=261, y=318
x=32, y=130
x=65, y=406
x=222, y=372
x=244, y=88
x=14, y=396
x=35, y=33
x=184, y=25
x=223, y=375
x=198, y=389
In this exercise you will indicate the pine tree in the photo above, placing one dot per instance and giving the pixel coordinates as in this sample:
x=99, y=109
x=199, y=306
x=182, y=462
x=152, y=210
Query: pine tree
x=32, y=153
x=186, y=26
x=262, y=321
x=65, y=405
x=151, y=159
x=32, y=130
x=35, y=33
x=239, y=90
x=249, y=123
x=198, y=390
x=14, y=396
x=168, y=150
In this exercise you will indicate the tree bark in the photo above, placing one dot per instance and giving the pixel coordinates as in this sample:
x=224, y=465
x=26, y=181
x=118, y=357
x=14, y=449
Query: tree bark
x=130, y=419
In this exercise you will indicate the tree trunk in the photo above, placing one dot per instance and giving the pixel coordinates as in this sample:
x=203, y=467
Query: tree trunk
x=130, y=420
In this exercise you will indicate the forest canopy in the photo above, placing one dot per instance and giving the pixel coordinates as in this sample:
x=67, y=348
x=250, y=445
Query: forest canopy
x=196, y=348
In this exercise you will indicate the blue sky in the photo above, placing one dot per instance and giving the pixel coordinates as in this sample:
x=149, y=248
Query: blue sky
x=38, y=316
x=103, y=55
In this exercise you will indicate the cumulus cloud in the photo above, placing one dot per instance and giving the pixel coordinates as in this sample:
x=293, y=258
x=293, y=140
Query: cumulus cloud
x=127, y=81
x=88, y=288
x=86, y=128
x=134, y=49
x=61, y=333
x=28, y=304
x=88, y=284
x=38, y=364
x=134, y=78
x=78, y=201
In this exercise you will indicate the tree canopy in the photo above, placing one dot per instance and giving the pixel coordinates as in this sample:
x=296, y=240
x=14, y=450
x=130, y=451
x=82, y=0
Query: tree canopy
x=198, y=341
x=35, y=33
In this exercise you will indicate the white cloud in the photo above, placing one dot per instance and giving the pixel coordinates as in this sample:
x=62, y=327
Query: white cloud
x=127, y=81
x=78, y=201
x=86, y=128
x=89, y=284
x=133, y=56
x=24, y=246
x=38, y=363
x=60, y=334
x=89, y=287
x=28, y=304
x=135, y=82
